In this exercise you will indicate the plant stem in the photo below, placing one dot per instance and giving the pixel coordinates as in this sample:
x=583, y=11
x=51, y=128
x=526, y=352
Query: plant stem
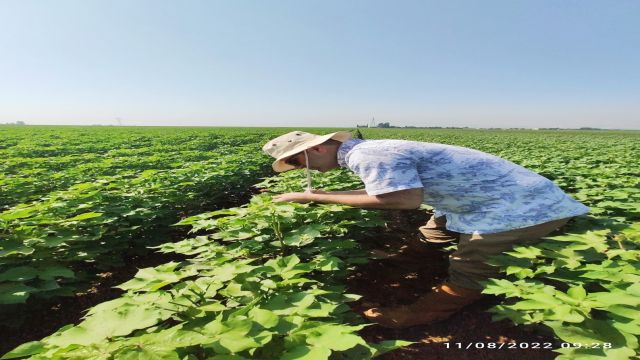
x=277, y=229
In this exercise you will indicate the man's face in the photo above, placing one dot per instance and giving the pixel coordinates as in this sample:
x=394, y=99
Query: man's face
x=319, y=160
x=297, y=160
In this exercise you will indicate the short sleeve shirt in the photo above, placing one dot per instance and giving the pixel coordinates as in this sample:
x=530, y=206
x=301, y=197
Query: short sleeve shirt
x=477, y=192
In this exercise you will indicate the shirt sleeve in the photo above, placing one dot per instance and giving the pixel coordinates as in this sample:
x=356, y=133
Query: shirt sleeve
x=384, y=172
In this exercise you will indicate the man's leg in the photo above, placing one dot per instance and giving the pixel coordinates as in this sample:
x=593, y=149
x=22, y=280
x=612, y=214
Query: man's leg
x=435, y=231
x=467, y=267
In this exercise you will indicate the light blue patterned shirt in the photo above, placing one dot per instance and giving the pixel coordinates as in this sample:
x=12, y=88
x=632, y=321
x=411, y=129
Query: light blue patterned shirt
x=477, y=192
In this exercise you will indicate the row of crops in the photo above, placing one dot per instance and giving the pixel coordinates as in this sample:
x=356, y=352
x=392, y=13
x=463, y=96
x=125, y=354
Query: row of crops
x=79, y=200
x=264, y=280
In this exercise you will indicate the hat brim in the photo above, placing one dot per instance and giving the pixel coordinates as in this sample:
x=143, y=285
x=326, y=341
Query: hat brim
x=280, y=166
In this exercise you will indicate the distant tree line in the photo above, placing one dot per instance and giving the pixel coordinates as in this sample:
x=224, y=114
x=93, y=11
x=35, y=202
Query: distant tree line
x=386, y=125
x=15, y=123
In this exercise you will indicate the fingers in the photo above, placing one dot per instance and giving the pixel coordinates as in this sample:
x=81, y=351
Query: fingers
x=291, y=197
x=279, y=198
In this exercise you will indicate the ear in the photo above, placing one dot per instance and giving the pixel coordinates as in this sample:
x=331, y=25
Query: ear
x=318, y=149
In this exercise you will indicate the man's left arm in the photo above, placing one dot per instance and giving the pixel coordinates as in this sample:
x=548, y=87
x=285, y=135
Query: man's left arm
x=401, y=199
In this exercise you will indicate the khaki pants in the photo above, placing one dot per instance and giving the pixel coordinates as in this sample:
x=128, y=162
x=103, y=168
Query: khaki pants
x=467, y=265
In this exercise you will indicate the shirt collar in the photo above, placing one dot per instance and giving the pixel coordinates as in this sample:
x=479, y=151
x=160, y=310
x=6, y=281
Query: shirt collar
x=345, y=148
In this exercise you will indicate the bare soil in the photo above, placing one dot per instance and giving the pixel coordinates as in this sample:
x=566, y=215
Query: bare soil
x=412, y=270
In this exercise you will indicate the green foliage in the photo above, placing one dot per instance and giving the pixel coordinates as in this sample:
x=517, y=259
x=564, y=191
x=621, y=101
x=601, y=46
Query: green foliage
x=583, y=285
x=100, y=196
x=262, y=282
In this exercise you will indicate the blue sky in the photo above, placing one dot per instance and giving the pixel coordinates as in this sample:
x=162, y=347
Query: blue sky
x=537, y=63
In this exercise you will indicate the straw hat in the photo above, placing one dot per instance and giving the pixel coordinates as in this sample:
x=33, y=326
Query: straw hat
x=297, y=141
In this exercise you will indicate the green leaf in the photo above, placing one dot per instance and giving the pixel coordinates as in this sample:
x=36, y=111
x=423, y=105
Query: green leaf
x=306, y=353
x=26, y=349
x=265, y=318
x=631, y=327
x=235, y=290
x=17, y=213
x=20, y=273
x=114, y=318
x=621, y=353
x=52, y=272
x=334, y=337
x=590, y=331
x=151, y=279
x=564, y=313
x=85, y=216
x=529, y=305
x=147, y=352
x=574, y=353
x=227, y=357
x=501, y=287
x=527, y=252
x=175, y=336
x=329, y=263
x=615, y=297
x=624, y=311
x=12, y=293
x=634, y=289
x=389, y=345
x=236, y=339
x=288, y=324
x=577, y=292
x=215, y=307
x=16, y=250
x=236, y=342
x=536, y=301
x=229, y=271
x=303, y=235
x=339, y=343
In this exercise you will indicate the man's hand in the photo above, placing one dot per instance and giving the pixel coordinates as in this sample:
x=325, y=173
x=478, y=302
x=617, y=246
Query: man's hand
x=297, y=197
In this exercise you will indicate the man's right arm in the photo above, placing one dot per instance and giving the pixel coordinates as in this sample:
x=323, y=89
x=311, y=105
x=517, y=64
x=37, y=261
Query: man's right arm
x=347, y=192
x=401, y=199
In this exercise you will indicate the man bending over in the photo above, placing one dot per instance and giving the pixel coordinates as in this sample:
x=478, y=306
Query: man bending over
x=484, y=202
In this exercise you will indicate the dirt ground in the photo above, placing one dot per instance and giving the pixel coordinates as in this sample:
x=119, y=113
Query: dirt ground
x=468, y=334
